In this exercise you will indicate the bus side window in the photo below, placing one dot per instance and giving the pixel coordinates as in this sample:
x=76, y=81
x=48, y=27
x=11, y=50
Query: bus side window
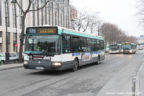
x=76, y=44
x=97, y=45
x=66, y=44
x=84, y=44
x=89, y=43
x=93, y=43
x=101, y=44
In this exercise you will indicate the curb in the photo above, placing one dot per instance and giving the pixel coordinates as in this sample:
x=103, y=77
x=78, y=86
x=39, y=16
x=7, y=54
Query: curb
x=2, y=69
x=137, y=83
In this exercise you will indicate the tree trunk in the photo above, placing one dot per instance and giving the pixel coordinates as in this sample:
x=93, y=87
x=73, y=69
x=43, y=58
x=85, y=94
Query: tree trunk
x=22, y=39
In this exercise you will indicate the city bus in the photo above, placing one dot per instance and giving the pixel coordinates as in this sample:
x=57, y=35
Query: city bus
x=116, y=48
x=58, y=48
x=129, y=48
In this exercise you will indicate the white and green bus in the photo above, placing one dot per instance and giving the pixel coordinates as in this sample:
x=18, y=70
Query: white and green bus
x=116, y=48
x=57, y=48
x=129, y=48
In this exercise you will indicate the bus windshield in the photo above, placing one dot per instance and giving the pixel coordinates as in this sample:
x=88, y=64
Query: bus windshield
x=133, y=46
x=114, y=47
x=43, y=44
x=126, y=47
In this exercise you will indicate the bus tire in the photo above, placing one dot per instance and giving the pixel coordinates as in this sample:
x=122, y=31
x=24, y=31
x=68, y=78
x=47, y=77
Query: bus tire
x=98, y=61
x=75, y=65
x=3, y=62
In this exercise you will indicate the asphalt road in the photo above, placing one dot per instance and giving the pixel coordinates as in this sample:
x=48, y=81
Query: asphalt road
x=112, y=75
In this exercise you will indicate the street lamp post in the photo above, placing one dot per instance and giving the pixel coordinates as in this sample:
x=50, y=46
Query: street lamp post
x=6, y=24
x=15, y=25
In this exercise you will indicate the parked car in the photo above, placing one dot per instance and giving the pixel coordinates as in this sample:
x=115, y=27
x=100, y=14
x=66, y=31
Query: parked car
x=12, y=57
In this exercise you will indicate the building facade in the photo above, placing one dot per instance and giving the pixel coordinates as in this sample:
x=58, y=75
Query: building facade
x=56, y=12
x=73, y=16
x=9, y=17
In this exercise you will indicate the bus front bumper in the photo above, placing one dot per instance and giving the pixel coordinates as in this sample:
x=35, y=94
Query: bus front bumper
x=128, y=52
x=113, y=52
x=47, y=65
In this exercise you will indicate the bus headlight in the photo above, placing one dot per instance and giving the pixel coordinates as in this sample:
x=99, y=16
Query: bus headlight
x=56, y=64
x=25, y=62
x=26, y=57
x=130, y=51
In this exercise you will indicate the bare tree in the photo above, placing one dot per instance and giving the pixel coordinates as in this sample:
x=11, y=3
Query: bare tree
x=140, y=13
x=113, y=34
x=95, y=24
x=109, y=31
x=87, y=22
x=24, y=14
x=132, y=39
x=82, y=22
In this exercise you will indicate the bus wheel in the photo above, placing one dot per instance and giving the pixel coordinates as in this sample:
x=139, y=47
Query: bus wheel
x=3, y=62
x=75, y=65
x=98, y=62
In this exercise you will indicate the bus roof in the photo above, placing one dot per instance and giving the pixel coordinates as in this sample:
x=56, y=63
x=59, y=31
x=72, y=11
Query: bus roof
x=77, y=33
x=62, y=30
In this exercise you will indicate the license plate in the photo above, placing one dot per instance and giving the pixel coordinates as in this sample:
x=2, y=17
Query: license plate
x=39, y=68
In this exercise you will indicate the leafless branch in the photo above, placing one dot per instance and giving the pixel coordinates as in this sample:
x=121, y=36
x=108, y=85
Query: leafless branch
x=86, y=21
x=113, y=34
x=19, y=6
x=41, y=7
x=29, y=6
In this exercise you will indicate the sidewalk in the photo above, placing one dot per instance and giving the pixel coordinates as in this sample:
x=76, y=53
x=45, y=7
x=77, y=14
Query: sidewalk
x=140, y=81
x=122, y=83
x=10, y=66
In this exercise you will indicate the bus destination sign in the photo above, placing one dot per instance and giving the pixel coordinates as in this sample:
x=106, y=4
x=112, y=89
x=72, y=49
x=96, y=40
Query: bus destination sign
x=42, y=30
x=47, y=30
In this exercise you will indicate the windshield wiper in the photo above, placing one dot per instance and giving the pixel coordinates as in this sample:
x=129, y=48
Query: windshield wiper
x=33, y=52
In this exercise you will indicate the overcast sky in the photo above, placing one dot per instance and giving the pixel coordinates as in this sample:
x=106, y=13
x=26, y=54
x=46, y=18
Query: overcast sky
x=119, y=12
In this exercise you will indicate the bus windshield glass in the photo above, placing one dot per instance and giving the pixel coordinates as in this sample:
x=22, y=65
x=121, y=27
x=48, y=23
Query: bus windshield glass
x=113, y=47
x=126, y=47
x=133, y=46
x=43, y=44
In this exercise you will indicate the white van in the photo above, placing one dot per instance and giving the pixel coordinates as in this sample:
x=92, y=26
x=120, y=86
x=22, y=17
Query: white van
x=12, y=57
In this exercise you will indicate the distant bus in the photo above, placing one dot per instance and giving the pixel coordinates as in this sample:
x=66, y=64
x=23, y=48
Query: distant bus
x=129, y=48
x=57, y=48
x=116, y=48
